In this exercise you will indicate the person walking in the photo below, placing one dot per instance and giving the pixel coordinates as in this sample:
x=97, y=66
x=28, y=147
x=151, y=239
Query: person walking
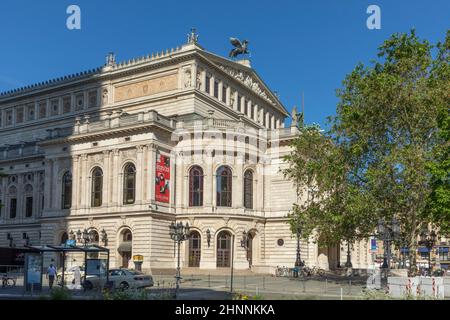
x=51, y=273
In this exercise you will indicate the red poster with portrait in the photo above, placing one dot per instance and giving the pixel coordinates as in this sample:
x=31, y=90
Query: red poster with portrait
x=162, y=182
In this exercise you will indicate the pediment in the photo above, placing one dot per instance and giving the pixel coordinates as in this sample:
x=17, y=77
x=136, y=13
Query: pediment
x=248, y=77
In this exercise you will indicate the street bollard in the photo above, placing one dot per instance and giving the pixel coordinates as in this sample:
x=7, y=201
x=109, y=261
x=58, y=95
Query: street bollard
x=209, y=280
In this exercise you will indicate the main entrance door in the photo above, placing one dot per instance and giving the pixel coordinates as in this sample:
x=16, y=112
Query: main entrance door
x=194, y=249
x=223, y=249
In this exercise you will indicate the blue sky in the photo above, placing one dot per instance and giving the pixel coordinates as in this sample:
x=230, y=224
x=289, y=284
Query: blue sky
x=296, y=45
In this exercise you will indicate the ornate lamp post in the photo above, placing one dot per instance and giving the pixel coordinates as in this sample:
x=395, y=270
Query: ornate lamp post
x=104, y=236
x=298, y=261
x=428, y=239
x=387, y=233
x=348, y=263
x=85, y=237
x=178, y=233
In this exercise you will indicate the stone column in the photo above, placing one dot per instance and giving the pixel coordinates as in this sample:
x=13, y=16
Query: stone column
x=228, y=98
x=255, y=112
x=238, y=192
x=145, y=172
x=194, y=75
x=272, y=122
x=75, y=181
x=139, y=170
x=152, y=164
x=220, y=91
x=249, y=109
x=211, y=85
x=106, y=177
x=208, y=181
x=278, y=125
x=268, y=120
x=115, y=172
x=261, y=116
x=203, y=77
x=48, y=184
x=55, y=187
x=84, y=182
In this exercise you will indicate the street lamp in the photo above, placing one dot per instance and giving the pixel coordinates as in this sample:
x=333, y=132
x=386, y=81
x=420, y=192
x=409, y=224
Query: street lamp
x=298, y=261
x=85, y=237
x=178, y=233
x=387, y=233
x=428, y=239
x=348, y=263
x=104, y=237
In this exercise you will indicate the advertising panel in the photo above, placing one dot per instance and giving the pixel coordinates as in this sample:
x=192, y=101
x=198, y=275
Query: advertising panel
x=162, y=191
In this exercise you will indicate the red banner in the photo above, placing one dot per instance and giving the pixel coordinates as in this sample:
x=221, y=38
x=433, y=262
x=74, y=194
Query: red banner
x=162, y=182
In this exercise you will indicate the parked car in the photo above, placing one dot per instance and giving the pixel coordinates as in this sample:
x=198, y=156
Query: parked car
x=69, y=275
x=120, y=279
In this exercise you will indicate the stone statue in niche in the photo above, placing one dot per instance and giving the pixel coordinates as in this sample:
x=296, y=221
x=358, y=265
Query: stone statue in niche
x=187, y=78
x=105, y=96
x=199, y=80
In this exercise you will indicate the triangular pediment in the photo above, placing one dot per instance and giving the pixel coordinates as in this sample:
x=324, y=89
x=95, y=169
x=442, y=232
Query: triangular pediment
x=248, y=77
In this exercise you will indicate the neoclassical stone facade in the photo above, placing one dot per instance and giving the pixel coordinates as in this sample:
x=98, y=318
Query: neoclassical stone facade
x=128, y=148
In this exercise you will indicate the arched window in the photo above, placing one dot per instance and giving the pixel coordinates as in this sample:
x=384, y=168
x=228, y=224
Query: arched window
x=97, y=187
x=196, y=187
x=248, y=189
x=66, y=195
x=223, y=195
x=129, y=184
x=28, y=201
x=93, y=236
x=12, y=192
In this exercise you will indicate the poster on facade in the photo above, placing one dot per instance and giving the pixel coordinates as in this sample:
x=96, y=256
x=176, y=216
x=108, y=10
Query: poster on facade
x=162, y=178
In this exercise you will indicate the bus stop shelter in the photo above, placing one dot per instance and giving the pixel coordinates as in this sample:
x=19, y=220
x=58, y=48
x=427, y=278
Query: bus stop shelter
x=34, y=262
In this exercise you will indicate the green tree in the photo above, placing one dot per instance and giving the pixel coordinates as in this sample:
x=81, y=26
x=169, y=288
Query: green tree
x=439, y=166
x=375, y=160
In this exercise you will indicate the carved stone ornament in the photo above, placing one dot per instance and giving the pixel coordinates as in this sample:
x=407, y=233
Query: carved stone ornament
x=248, y=81
x=187, y=78
x=199, y=80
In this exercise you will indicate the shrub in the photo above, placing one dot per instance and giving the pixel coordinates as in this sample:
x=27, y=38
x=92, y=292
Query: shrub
x=60, y=294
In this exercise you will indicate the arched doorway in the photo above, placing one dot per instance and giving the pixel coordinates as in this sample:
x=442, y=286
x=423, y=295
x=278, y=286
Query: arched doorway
x=223, y=249
x=194, y=249
x=126, y=241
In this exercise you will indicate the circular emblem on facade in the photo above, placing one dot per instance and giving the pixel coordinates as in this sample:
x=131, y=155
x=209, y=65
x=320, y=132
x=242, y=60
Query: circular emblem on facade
x=280, y=242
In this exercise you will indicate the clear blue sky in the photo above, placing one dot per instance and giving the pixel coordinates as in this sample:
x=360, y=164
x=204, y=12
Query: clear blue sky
x=296, y=45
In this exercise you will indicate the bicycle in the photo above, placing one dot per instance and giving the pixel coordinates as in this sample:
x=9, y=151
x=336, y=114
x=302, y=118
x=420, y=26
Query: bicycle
x=282, y=271
x=8, y=281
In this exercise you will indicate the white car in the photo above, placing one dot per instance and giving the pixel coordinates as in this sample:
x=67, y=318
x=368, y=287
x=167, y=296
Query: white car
x=121, y=279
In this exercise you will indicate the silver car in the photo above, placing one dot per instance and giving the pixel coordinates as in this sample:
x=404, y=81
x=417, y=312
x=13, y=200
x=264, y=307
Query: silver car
x=120, y=279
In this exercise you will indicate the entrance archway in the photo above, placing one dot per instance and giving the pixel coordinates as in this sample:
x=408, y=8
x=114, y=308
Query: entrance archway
x=194, y=249
x=125, y=247
x=223, y=249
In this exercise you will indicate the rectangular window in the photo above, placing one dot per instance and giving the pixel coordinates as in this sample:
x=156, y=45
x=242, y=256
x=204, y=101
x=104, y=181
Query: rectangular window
x=13, y=208
x=216, y=89
x=92, y=98
x=207, y=84
x=30, y=112
x=19, y=115
x=239, y=103
x=9, y=117
x=28, y=207
x=67, y=104
x=42, y=109
x=54, y=107
x=79, y=101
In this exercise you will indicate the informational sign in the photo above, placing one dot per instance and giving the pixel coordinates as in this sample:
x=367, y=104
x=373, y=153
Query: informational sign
x=33, y=271
x=138, y=258
x=373, y=244
x=162, y=178
x=70, y=242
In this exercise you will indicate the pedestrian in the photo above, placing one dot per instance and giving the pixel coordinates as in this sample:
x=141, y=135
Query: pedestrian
x=51, y=273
